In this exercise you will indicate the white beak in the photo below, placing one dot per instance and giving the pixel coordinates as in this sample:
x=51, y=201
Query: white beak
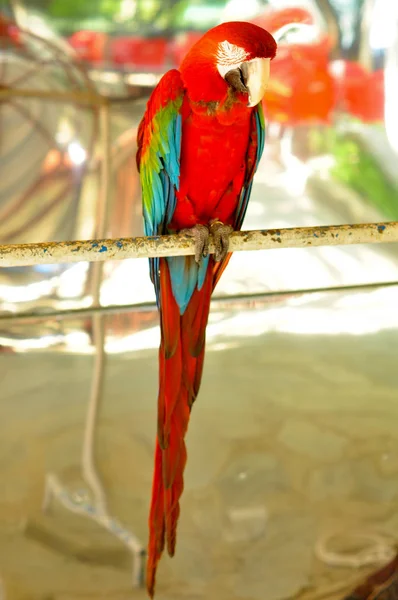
x=257, y=76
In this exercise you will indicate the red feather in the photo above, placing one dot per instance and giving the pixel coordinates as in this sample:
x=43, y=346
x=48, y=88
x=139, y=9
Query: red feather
x=180, y=366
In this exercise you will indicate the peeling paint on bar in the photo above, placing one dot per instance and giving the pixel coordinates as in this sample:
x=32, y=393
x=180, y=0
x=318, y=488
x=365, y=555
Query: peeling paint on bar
x=181, y=245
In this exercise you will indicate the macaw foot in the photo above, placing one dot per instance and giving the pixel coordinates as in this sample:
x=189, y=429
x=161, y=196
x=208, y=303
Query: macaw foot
x=220, y=233
x=200, y=233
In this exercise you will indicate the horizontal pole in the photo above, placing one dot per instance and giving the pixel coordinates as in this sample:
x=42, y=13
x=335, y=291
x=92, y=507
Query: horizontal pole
x=84, y=97
x=17, y=255
x=80, y=97
x=218, y=303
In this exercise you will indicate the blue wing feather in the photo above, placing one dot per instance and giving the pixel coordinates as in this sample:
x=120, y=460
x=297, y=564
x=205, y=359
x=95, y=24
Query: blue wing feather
x=247, y=188
x=158, y=159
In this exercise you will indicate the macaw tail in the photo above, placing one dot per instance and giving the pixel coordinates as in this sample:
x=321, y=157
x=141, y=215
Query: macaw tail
x=181, y=356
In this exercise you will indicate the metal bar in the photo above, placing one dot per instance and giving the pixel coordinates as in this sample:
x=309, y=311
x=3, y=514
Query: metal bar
x=217, y=302
x=90, y=473
x=89, y=98
x=183, y=245
x=76, y=96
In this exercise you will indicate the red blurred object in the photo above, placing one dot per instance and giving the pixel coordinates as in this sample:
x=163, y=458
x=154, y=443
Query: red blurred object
x=305, y=87
x=273, y=20
x=359, y=92
x=301, y=89
x=9, y=31
x=139, y=52
x=89, y=45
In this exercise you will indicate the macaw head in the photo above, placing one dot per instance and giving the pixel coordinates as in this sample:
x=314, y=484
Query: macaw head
x=232, y=57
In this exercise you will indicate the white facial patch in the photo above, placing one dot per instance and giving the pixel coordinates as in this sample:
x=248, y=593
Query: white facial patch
x=229, y=56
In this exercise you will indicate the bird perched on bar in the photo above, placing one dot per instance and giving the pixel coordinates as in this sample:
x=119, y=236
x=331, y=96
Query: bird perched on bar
x=199, y=145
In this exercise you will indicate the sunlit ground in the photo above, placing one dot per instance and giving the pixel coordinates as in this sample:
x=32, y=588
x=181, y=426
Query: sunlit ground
x=293, y=438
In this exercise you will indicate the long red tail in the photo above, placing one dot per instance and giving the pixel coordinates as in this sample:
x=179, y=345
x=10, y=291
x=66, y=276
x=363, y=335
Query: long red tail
x=181, y=356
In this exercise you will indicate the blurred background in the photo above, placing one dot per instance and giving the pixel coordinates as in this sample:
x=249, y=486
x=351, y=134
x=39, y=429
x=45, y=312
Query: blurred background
x=292, y=478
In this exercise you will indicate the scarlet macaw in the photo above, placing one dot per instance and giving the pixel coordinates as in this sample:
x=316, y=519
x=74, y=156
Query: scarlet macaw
x=199, y=144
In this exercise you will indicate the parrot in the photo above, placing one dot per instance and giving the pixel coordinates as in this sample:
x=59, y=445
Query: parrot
x=198, y=146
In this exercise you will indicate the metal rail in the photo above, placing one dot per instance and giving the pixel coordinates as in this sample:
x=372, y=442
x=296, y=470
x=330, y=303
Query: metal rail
x=234, y=301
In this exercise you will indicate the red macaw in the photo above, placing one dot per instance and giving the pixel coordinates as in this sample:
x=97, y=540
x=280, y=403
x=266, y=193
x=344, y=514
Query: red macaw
x=199, y=144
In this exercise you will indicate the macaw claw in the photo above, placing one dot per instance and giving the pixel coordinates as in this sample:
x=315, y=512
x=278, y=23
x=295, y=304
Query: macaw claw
x=201, y=234
x=220, y=233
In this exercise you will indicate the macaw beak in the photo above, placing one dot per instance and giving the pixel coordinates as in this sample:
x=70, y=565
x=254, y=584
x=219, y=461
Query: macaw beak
x=257, y=75
x=250, y=77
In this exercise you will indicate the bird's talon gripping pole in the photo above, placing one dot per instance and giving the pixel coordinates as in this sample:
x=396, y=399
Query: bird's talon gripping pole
x=221, y=234
x=200, y=234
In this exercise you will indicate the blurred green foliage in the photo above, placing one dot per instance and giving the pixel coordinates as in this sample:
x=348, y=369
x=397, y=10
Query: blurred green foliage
x=73, y=9
x=358, y=168
x=131, y=15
